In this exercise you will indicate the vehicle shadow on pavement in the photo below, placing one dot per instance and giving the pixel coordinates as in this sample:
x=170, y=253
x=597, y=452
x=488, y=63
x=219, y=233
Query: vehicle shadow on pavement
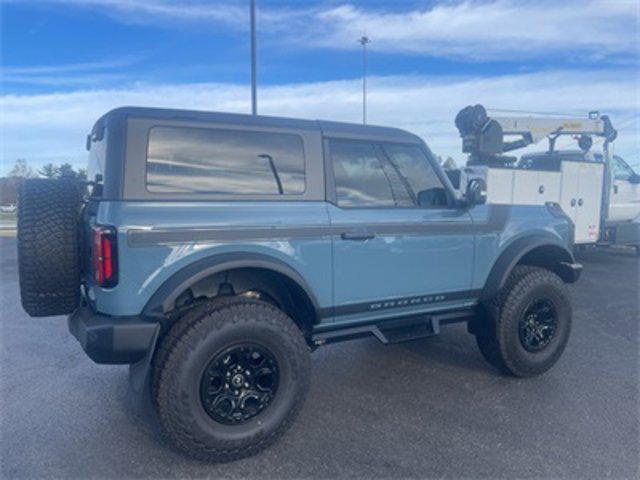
x=605, y=254
x=452, y=348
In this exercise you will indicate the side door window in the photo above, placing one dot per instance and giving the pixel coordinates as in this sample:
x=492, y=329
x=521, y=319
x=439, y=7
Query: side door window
x=623, y=203
x=417, y=173
x=363, y=178
x=621, y=171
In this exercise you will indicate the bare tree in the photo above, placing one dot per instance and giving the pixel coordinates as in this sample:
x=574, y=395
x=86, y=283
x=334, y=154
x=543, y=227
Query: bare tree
x=48, y=171
x=449, y=164
x=21, y=170
x=66, y=171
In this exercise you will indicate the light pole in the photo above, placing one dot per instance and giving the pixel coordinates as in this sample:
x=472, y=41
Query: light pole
x=363, y=41
x=254, y=95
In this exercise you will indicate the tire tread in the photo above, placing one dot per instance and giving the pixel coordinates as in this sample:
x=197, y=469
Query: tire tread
x=501, y=311
x=183, y=336
x=48, y=259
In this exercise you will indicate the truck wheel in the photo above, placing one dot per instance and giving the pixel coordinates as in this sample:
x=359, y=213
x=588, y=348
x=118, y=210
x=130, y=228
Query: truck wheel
x=229, y=379
x=528, y=324
x=48, y=259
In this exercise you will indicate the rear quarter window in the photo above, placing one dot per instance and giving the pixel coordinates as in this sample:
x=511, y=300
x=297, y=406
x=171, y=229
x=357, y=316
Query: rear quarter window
x=97, y=157
x=217, y=161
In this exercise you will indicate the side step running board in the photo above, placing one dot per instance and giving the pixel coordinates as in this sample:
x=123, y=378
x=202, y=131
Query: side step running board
x=394, y=330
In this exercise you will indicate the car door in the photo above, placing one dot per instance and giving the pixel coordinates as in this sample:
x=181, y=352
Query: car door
x=624, y=201
x=390, y=255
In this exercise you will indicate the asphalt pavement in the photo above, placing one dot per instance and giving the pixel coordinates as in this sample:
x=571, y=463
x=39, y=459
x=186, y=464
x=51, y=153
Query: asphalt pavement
x=424, y=409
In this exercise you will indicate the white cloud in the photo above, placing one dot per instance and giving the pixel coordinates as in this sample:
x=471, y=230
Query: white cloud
x=68, y=67
x=69, y=74
x=145, y=11
x=174, y=13
x=488, y=30
x=52, y=127
x=472, y=30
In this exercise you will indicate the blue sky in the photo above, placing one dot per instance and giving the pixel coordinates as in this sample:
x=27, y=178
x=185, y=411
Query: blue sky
x=65, y=62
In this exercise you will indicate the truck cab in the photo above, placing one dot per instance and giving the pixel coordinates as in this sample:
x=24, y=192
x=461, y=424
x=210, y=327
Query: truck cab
x=624, y=205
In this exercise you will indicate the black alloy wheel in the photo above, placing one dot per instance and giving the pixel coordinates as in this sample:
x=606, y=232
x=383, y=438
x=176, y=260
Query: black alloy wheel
x=538, y=325
x=239, y=383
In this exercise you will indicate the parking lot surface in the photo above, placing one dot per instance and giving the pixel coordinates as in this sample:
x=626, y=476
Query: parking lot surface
x=429, y=408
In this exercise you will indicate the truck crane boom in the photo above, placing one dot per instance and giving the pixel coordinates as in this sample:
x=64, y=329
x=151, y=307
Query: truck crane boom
x=483, y=137
x=582, y=184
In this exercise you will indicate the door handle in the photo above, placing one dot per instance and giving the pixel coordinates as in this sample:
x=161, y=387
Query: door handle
x=615, y=189
x=357, y=236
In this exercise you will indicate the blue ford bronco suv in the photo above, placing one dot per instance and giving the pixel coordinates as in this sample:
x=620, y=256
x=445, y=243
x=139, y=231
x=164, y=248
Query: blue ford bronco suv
x=213, y=252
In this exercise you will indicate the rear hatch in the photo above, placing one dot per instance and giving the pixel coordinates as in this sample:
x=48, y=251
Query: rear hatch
x=98, y=242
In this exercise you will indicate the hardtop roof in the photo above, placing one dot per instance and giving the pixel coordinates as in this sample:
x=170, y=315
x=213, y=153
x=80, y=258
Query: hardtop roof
x=328, y=128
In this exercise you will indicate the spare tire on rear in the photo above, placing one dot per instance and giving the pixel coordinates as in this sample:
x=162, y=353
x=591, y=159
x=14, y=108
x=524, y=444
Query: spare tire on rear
x=48, y=258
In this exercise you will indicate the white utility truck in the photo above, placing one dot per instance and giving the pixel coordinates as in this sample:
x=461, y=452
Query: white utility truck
x=598, y=191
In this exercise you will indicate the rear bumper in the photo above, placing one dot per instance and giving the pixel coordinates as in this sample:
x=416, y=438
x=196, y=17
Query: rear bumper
x=112, y=340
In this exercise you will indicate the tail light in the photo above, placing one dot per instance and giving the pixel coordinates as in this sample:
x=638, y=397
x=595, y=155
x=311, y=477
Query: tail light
x=104, y=257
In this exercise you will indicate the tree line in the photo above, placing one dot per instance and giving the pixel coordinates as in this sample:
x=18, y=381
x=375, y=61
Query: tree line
x=10, y=183
x=65, y=170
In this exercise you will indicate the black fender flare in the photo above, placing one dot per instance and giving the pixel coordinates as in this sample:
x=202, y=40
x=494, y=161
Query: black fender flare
x=562, y=262
x=165, y=296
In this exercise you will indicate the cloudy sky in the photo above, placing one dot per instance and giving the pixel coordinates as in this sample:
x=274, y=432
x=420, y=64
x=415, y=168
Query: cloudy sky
x=66, y=62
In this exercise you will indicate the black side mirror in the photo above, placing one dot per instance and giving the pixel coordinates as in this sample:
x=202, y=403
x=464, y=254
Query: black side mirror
x=635, y=179
x=476, y=192
x=433, y=197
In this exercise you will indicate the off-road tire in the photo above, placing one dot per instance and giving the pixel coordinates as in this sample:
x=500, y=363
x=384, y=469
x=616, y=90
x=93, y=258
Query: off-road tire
x=498, y=337
x=189, y=345
x=48, y=258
